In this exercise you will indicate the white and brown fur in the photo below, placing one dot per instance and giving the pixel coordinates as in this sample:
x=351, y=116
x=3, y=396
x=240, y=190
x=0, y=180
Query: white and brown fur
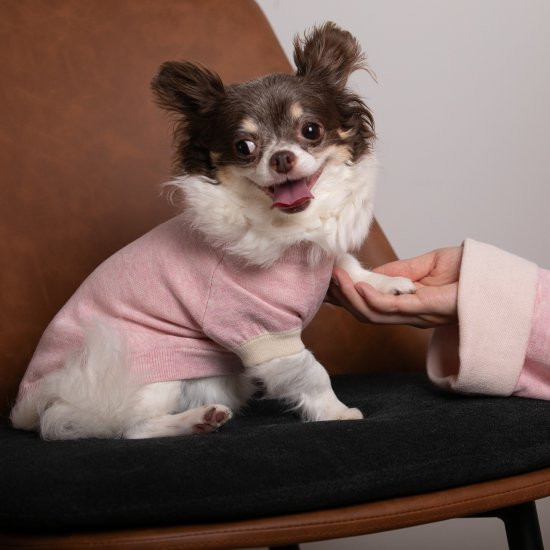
x=233, y=145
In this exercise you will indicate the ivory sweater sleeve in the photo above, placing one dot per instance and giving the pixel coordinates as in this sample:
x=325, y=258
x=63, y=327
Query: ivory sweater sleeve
x=501, y=345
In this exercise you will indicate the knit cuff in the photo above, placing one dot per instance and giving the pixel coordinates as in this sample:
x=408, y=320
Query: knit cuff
x=534, y=380
x=496, y=298
x=270, y=346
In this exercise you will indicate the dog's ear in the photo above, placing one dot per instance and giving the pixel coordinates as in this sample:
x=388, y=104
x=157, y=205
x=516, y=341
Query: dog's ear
x=187, y=88
x=328, y=53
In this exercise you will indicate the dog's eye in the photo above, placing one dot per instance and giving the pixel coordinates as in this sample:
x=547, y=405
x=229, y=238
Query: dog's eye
x=245, y=147
x=312, y=131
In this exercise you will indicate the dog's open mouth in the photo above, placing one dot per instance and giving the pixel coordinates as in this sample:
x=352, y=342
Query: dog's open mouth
x=293, y=195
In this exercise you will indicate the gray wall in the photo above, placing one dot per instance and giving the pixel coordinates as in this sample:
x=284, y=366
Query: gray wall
x=462, y=107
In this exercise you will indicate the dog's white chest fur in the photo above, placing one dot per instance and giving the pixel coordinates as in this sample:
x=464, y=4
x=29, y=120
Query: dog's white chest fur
x=236, y=216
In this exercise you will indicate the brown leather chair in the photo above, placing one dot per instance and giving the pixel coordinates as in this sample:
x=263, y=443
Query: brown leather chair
x=83, y=149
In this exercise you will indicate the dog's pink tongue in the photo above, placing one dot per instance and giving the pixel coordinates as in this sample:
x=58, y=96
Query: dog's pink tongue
x=291, y=193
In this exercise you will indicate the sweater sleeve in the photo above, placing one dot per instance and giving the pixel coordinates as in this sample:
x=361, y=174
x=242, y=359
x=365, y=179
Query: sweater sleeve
x=259, y=313
x=486, y=352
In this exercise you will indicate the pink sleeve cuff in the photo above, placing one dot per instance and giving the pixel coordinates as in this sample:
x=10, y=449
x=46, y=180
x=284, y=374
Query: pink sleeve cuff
x=534, y=380
x=496, y=298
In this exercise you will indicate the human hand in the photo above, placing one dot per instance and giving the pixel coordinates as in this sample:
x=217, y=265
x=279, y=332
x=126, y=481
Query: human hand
x=435, y=275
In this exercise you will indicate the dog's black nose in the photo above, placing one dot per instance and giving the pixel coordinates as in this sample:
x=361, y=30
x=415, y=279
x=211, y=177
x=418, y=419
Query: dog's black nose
x=282, y=161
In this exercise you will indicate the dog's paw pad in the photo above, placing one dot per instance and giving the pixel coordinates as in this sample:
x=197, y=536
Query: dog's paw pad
x=213, y=416
x=396, y=286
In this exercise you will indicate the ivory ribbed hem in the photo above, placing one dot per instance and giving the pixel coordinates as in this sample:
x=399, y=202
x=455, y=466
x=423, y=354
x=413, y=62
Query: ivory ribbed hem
x=270, y=346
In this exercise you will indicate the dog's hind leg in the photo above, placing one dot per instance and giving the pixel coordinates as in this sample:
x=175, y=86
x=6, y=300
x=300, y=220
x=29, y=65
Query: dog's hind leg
x=201, y=420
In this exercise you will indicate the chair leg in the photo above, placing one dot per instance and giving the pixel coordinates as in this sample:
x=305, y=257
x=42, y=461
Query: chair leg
x=521, y=523
x=522, y=526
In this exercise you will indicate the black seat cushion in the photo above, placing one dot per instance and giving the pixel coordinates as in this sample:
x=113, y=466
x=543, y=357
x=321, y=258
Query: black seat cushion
x=414, y=439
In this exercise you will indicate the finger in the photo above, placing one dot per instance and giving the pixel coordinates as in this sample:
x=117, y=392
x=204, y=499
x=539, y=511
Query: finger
x=346, y=290
x=351, y=299
x=337, y=274
x=342, y=301
x=437, y=305
x=395, y=313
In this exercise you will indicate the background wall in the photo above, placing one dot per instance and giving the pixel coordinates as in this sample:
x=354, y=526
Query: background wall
x=462, y=108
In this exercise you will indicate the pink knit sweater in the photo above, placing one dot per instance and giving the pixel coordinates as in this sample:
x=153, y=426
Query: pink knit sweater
x=187, y=310
x=501, y=345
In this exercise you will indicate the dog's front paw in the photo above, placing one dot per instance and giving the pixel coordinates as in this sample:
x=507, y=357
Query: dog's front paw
x=393, y=285
x=211, y=418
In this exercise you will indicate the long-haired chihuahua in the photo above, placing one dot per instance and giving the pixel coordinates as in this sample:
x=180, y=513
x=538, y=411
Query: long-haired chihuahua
x=171, y=334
